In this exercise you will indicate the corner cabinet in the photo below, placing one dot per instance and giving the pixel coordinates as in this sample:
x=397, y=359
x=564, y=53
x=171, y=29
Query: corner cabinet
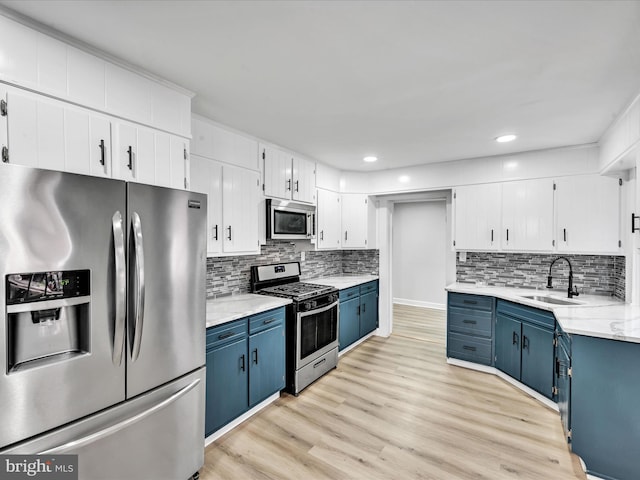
x=525, y=339
x=233, y=205
x=358, y=313
x=470, y=328
x=245, y=365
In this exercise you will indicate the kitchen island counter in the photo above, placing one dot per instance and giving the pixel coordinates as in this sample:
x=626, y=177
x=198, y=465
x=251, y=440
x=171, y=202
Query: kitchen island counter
x=232, y=307
x=342, y=281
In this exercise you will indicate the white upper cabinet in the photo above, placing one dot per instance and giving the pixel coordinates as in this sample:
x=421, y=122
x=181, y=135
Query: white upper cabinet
x=287, y=176
x=233, y=205
x=216, y=143
x=355, y=224
x=477, y=217
x=329, y=217
x=588, y=214
x=527, y=215
x=44, y=64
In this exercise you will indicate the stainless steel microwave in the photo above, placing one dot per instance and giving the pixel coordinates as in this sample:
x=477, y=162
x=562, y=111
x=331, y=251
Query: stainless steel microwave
x=290, y=220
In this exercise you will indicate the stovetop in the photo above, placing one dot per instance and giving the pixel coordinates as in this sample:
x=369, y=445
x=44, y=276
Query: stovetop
x=297, y=291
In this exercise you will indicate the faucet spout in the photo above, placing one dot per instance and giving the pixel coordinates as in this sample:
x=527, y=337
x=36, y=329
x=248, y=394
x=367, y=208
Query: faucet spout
x=571, y=291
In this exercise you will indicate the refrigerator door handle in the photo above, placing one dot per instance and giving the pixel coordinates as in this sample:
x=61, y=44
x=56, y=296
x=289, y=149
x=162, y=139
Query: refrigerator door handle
x=81, y=442
x=120, y=287
x=139, y=285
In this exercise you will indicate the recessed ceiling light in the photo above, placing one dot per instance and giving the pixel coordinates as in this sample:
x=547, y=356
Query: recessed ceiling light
x=370, y=159
x=506, y=138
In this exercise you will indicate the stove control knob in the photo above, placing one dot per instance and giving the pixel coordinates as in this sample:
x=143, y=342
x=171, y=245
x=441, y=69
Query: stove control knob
x=333, y=297
x=307, y=306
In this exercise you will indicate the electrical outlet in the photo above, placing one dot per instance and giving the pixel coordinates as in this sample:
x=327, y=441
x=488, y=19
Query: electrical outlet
x=302, y=256
x=462, y=257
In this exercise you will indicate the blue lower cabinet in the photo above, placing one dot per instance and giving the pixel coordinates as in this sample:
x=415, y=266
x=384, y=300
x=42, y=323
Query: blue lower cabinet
x=470, y=328
x=245, y=365
x=605, y=418
x=349, y=327
x=368, y=312
x=358, y=312
x=525, y=345
x=267, y=363
x=563, y=380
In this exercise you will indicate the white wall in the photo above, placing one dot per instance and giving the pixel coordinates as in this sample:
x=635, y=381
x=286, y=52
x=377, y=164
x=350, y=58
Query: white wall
x=419, y=253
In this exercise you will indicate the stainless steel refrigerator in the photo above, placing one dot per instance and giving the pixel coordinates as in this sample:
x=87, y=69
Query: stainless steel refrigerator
x=103, y=330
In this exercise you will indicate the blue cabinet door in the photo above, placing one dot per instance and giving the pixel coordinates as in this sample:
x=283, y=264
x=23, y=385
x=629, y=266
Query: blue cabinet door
x=508, y=337
x=227, y=384
x=537, y=359
x=267, y=364
x=349, y=327
x=563, y=383
x=368, y=313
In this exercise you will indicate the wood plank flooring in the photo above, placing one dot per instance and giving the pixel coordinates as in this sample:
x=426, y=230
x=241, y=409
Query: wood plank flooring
x=394, y=409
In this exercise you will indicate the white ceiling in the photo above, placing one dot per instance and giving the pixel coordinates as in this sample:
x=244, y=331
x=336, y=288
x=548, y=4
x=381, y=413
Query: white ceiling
x=410, y=82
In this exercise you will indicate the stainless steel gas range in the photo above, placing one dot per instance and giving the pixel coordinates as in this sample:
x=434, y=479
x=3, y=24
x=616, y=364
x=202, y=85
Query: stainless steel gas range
x=312, y=321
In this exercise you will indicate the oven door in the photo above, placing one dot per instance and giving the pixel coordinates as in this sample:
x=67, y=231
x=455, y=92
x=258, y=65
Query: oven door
x=317, y=333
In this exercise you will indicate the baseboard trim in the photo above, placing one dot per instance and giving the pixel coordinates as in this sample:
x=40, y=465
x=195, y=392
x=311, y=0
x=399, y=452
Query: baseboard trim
x=234, y=423
x=494, y=371
x=357, y=342
x=418, y=303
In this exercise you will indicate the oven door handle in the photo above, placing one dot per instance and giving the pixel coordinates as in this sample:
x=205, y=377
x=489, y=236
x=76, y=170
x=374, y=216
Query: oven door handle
x=318, y=310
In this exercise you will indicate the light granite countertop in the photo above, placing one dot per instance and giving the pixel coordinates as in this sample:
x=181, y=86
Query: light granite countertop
x=342, y=281
x=226, y=309
x=591, y=315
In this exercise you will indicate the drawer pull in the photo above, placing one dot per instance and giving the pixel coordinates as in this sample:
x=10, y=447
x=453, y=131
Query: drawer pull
x=470, y=302
x=467, y=347
x=316, y=365
x=472, y=322
x=225, y=335
x=268, y=321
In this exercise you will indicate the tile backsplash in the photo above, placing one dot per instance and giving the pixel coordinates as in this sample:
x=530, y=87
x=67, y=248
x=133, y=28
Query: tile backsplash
x=592, y=274
x=227, y=275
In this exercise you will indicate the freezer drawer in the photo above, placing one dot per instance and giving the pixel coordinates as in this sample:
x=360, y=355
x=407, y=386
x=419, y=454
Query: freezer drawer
x=157, y=435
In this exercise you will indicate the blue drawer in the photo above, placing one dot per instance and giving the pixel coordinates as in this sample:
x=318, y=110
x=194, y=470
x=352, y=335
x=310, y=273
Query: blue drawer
x=369, y=287
x=470, y=322
x=536, y=316
x=265, y=320
x=349, y=293
x=477, y=302
x=227, y=333
x=472, y=349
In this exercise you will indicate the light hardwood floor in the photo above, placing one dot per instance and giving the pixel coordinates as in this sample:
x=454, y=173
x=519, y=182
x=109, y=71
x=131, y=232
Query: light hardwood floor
x=394, y=409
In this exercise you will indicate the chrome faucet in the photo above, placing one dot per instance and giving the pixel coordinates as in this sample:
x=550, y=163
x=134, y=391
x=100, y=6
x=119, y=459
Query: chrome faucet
x=572, y=291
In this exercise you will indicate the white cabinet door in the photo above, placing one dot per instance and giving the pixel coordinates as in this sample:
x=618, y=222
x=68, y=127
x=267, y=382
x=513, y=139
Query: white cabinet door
x=304, y=180
x=163, y=159
x=277, y=173
x=477, y=217
x=76, y=139
x=240, y=199
x=329, y=217
x=144, y=168
x=355, y=213
x=134, y=153
x=588, y=214
x=527, y=215
x=207, y=178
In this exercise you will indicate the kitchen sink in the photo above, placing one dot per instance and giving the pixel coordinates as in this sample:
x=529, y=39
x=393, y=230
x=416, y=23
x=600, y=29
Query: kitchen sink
x=552, y=300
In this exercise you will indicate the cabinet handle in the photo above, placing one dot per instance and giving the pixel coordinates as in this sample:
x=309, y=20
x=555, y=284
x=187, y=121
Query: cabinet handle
x=364, y=308
x=297, y=186
x=319, y=363
x=358, y=309
x=215, y=232
x=225, y=335
x=5, y=154
x=255, y=356
x=492, y=235
x=268, y=321
x=321, y=235
x=101, y=147
x=507, y=234
x=242, y=365
x=467, y=347
x=525, y=342
x=470, y=302
x=515, y=340
x=345, y=235
x=472, y=322
x=229, y=228
x=289, y=185
x=130, y=152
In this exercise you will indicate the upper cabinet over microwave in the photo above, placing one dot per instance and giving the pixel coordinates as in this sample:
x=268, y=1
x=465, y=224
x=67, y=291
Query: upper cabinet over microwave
x=290, y=220
x=288, y=176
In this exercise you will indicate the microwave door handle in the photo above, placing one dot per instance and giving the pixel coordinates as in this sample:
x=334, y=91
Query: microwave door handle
x=140, y=285
x=120, y=288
